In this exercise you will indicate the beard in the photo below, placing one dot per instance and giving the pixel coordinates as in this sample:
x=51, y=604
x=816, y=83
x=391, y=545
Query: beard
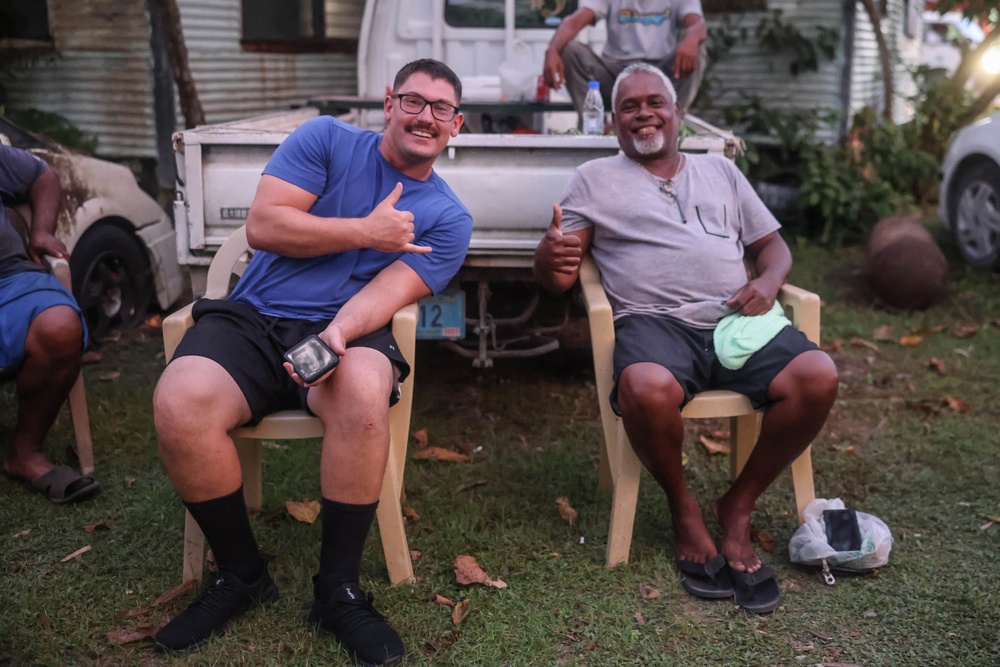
x=649, y=145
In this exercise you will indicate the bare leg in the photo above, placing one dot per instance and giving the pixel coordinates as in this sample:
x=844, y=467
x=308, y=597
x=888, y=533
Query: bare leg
x=53, y=350
x=803, y=394
x=650, y=400
x=195, y=405
x=354, y=408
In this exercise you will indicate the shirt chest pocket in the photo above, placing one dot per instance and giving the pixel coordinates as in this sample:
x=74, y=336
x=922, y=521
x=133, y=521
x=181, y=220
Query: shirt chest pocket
x=714, y=220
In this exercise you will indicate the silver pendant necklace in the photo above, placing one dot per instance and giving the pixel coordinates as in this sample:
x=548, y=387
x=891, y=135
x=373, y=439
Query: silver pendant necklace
x=666, y=186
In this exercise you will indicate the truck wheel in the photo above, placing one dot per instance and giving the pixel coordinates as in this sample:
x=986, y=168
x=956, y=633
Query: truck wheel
x=975, y=214
x=112, y=280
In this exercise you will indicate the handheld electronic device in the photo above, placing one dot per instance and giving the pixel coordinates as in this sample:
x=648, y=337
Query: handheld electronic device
x=312, y=359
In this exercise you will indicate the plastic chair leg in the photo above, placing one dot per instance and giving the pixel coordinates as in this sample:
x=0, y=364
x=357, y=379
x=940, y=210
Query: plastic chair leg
x=81, y=426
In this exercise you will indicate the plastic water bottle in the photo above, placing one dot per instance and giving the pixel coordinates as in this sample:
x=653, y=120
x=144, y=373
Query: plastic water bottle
x=593, y=109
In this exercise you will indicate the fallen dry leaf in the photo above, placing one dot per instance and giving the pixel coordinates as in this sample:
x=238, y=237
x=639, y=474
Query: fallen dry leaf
x=640, y=619
x=415, y=555
x=440, y=599
x=421, y=437
x=763, y=538
x=469, y=571
x=955, y=404
x=565, y=511
x=112, y=375
x=100, y=525
x=460, y=611
x=438, y=454
x=172, y=594
x=306, y=511
x=23, y=533
x=990, y=517
x=835, y=346
x=938, y=365
x=90, y=357
x=926, y=405
x=411, y=514
x=923, y=331
x=966, y=331
x=987, y=525
x=718, y=434
x=911, y=341
x=647, y=593
x=129, y=635
x=883, y=333
x=76, y=554
x=713, y=447
x=861, y=342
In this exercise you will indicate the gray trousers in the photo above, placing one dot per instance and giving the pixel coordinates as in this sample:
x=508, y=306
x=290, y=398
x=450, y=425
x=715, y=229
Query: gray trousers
x=582, y=65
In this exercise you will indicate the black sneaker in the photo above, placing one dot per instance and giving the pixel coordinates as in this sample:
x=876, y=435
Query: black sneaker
x=224, y=598
x=347, y=613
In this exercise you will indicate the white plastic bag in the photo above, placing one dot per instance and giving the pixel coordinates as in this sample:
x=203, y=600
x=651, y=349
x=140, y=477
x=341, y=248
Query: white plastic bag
x=519, y=75
x=809, y=545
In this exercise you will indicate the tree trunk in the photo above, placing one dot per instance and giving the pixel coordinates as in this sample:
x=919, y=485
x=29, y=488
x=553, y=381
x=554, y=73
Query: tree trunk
x=982, y=102
x=177, y=52
x=883, y=54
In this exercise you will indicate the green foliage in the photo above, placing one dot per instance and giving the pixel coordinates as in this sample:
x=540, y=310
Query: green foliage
x=779, y=36
x=56, y=127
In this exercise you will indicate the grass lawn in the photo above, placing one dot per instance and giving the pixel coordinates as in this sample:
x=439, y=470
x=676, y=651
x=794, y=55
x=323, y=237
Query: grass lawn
x=893, y=447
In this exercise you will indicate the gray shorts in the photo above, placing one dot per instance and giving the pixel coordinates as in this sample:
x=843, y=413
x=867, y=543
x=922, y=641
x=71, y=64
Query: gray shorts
x=250, y=346
x=689, y=354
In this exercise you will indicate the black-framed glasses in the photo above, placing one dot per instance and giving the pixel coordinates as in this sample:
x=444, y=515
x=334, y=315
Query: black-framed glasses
x=414, y=104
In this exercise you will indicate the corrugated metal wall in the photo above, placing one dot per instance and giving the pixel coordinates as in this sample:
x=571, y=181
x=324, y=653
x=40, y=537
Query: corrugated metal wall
x=100, y=76
x=749, y=70
x=866, y=83
x=233, y=83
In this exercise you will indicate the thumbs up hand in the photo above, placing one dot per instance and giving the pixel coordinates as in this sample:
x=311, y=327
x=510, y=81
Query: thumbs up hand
x=557, y=252
x=391, y=230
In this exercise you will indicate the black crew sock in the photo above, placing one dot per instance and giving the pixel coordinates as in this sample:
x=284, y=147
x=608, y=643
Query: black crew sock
x=345, y=529
x=226, y=526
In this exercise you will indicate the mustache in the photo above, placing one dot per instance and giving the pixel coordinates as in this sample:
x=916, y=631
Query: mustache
x=425, y=127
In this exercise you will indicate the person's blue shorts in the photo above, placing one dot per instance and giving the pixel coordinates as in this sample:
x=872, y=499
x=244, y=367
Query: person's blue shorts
x=22, y=297
x=689, y=354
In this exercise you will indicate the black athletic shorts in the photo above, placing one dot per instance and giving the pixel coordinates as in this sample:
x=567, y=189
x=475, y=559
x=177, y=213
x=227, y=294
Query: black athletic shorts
x=250, y=346
x=689, y=354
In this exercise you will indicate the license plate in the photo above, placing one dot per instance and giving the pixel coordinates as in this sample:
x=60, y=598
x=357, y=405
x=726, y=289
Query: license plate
x=442, y=316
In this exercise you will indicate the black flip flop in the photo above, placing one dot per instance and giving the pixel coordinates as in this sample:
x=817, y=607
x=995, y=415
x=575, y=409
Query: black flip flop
x=756, y=592
x=706, y=580
x=63, y=485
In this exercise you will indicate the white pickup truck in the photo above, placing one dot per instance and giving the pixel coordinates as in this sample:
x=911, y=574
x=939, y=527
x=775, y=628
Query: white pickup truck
x=508, y=181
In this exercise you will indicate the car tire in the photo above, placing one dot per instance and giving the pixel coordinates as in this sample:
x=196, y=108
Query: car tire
x=112, y=280
x=975, y=214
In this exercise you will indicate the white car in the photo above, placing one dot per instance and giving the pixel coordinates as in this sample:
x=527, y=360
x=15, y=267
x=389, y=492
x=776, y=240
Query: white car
x=970, y=191
x=122, y=244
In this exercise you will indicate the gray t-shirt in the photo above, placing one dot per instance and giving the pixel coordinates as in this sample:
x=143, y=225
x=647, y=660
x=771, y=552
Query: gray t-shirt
x=653, y=259
x=18, y=171
x=642, y=29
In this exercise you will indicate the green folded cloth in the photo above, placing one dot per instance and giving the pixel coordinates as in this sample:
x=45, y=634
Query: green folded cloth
x=739, y=336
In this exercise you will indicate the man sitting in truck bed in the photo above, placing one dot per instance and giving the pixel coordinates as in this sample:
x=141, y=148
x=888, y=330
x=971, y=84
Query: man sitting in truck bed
x=637, y=32
x=669, y=232
x=349, y=226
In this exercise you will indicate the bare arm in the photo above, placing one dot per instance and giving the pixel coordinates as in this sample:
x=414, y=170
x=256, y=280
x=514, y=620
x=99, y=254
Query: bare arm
x=44, y=196
x=279, y=221
x=370, y=309
x=558, y=255
x=570, y=27
x=773, y=261
x=686, y=58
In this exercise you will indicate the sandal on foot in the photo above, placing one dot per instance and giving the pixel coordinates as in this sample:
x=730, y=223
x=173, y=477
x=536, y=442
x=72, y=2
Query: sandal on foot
x=756, y=592
x=63, y=485
x=706, y=580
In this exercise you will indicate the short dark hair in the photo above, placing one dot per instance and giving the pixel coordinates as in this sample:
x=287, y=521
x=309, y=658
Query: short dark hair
x=435, y=69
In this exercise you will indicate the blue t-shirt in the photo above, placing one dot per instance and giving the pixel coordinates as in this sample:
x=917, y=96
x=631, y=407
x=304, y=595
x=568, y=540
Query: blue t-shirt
x=342, y=165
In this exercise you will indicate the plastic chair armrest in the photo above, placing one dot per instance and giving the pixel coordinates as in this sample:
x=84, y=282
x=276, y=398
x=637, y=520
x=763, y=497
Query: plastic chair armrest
x=802, y=308
x=60, y=269
x=174, y=326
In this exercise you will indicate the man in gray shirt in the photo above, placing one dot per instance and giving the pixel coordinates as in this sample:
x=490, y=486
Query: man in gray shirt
x=637, y=31
x=670, y=233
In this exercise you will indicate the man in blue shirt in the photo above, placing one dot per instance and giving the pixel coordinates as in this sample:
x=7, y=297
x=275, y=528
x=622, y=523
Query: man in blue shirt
x=348, y=227
x=42, y=332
